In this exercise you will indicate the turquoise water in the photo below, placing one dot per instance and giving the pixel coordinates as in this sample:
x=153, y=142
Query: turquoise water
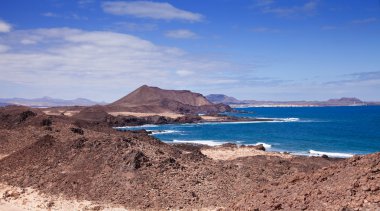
x=335, y=131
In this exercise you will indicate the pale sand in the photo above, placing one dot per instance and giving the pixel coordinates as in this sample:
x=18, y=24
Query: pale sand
x=18, y=199
x=213, y=118
x=136, y=114
x=219, y=153
x=27, y=199
x=59, y=112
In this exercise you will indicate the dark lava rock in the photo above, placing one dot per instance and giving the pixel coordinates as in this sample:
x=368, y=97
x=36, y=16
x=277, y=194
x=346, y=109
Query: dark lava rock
x=135, y=159
x=79, y=143
x=77, y=130
x=26, y=114
x=46, y=122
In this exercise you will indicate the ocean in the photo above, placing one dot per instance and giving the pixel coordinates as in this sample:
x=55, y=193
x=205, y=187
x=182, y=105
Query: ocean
x=312, y=131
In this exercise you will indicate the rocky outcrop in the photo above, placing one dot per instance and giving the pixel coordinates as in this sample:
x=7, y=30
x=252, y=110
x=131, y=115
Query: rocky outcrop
x=94, y=113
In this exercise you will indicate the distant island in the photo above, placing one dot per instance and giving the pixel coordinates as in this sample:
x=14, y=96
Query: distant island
x=48, y=102
x=233, y=102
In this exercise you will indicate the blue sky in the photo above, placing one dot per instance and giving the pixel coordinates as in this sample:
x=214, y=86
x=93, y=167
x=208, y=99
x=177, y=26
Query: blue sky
x=250, y=49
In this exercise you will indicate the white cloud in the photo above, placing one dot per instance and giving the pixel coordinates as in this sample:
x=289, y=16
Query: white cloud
x=328, y=27
x=364, y=21
x=71, y=57
x=3, y=48
x=184, y=73
x=148, y=9
x=5, y=27
x=50, y=14
x=181, y=34
x=85, y=3
x=265, y=29
x=28, y=41
x=130, y=26
x=264, y=2
x=268, y=6
x=73, y=16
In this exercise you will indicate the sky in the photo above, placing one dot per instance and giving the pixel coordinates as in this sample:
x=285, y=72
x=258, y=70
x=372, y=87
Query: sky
x=249, y=49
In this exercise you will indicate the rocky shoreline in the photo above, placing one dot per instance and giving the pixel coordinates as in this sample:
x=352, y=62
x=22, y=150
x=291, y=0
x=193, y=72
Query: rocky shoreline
x=88, y=161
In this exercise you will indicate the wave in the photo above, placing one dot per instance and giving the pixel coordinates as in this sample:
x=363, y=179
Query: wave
x=139, y=126
x=290, y=119
x=271, y=120
x=267, y=146
x=330, y=154
x=205, y=142
x=156, y=132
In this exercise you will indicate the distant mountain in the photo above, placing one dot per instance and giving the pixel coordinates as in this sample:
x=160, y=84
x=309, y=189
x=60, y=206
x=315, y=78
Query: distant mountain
x=344, y=101
x=153, y=99
x=220, y=98
x=4, y=104
x=49, y=102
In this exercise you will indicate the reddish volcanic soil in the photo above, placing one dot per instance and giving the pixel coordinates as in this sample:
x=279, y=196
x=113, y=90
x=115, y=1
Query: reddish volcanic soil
x=84, y=160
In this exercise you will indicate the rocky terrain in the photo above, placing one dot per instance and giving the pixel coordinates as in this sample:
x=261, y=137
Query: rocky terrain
x=81, y=159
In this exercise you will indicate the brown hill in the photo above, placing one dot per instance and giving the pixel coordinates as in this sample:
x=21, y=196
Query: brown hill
x=156, y=100
x=93, y=113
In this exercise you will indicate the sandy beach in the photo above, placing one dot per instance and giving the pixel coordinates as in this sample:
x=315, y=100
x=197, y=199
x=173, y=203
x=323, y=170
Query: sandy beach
x=28, y=199
x=231, y=153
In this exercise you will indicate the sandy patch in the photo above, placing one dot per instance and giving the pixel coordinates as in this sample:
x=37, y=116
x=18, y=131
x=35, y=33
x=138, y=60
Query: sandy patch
x=3, y=156
x=213, y=118
x=136, y=114
x=20, y=199
x=59, y=112
x=218, y=153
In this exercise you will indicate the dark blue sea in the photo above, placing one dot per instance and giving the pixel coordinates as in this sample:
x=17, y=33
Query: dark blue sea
x=334, y=131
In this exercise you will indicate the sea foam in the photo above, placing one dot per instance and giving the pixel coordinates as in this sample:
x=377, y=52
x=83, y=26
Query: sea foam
x=132, y=127
x=290, y=119
x=205, y=142
x=260, y=120
x=330, y=154
x=267, y=146
x=156, y=132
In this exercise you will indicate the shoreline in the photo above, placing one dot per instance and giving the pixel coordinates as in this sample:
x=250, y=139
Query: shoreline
x=250, y=150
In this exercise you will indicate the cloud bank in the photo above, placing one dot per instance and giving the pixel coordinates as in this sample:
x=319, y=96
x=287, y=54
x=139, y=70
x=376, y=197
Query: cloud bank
x=181, y=34
x=149, y=9
x=4, y=27
x=74, y=57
